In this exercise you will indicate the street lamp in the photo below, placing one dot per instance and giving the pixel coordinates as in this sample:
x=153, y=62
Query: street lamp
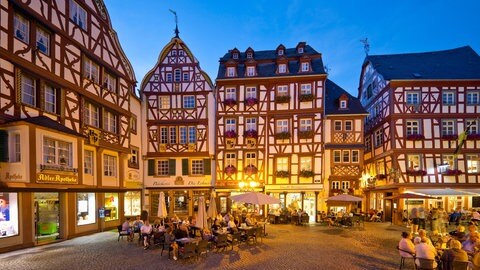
x=248, y=185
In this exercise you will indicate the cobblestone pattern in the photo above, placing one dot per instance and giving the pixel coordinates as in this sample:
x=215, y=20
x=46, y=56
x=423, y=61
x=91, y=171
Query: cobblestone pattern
x=285, y=247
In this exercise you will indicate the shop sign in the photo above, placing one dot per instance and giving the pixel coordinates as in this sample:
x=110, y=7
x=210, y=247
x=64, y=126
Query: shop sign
x=133, y=184
x=413, y=202
x=13, y=177
x=93, y=136
x=185, y=182
x=56, y=178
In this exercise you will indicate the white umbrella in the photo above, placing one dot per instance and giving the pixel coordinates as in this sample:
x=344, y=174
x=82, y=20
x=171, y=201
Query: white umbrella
x=255, y=198
x=162, y=208
x=344, y=198
x=201, y=221
x=212, y=208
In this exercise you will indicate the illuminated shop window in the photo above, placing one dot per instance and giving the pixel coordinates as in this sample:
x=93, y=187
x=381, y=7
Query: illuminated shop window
x=8, y=214
x=111, y=206
x=86, y=208
x=132, y=203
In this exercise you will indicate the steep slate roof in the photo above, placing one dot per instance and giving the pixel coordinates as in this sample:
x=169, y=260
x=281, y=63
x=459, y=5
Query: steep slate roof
x=459, y=63
x=268, y=69
x=332, y=94
x=47, y=122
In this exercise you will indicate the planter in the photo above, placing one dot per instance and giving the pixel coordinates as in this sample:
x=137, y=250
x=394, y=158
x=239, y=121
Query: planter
x=250, y=169
x=452, y=172
x=305, y=134
x=250, y=134
x=230, y=102
x=306, y=173
x=230, y=134
x=282, y=174
x=450, y=137
x=473, y=137
x=229, y=170
x=416, y=173
x=415, y=137
x=251, y=101
x=282, y=135
x=282, y=99
x=305, y=98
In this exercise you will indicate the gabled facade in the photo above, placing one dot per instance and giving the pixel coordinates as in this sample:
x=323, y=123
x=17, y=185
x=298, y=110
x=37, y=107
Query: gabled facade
x=420, y=107
x=178, y=140
x=65, y=134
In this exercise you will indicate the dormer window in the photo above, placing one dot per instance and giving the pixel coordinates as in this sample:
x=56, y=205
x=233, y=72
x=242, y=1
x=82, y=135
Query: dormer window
x=250, y=71
x=343, y=102
x=282, y=68
x=249, y=55
x=305, y=66
x=235, y=55
x=230, y=71
x=300, y=49
x=280, y=52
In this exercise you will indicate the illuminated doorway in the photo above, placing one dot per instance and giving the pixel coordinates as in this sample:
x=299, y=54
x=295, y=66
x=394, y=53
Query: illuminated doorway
x=47, y=216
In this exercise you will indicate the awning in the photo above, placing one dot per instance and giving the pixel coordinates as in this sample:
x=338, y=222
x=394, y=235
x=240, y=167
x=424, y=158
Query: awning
x=447, y=192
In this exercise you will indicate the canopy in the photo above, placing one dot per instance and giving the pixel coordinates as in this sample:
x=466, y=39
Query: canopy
x=162, y=208
x=449, y=191
x=255, y=198
x=212, y=208
x=344, y=198
x=201, y=221
x=410, y=196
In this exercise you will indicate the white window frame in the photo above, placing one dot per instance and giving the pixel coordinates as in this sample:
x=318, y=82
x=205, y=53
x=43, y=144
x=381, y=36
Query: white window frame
x=88, y=162
x=282, y=125
x=250, y=71
x=91, y=70
x=305, y=66
x=189, y=102
x=162, y=167
x=337, y=156
x=448, y=127
x=230, y=124
x=231, y=93
x=306, y=163
x=305, y=124
x=414, y=162
x=282, y=90
x=172, y=136
x=348, y=125
x=29, y=90
x=43, y=41
x=473, y=97
x=448, y=98
x=92, y=115
x=355, y=156
x=164, y=102
x=230, y=71
x=337, y=125
x=306, y=89
x=163, y=135
x=192, y=134
x=231, y=159
x=412, y=98
x=109, y=165
x=345, y=156
x=50, y=99
x=57, y=152
x=251, y=92
x=177, y=75
x=15, y=151
x=345, y=184
x=134, y=152
x=197, y=167
x=343, y=104
x=183, y=134
x=250, y=123
x=21, y=28
x=473, y=126
x=412, y=127
x=186, y=76
x=110, y=82
x=110, y=121
x=251, y=159
x=78, y=15
x=335, y=184
x=282, y=68
x=169, y=77
x=473, y=163
x=282, y=164
x=378, y=137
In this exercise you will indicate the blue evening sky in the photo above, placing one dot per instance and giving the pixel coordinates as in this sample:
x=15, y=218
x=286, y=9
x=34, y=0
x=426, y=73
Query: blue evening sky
x=333, y=27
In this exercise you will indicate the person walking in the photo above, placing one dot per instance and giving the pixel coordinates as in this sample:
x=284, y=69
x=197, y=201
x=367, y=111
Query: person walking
x=415, y=220
x=421, y=217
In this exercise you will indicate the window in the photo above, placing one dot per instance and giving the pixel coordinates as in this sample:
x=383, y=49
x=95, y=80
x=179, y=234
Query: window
x=86, y=208
x=173, y=135
x=251, y=92
x=231, y=93
x=473, y=163
x=473, y=98
x=249, y=55
x=378, y=137
x=280, y=52
x=335, y=184
x=92, y=113
x=162, y=168
x=155, y=77
x=132, y=203
x=230, y=72
x=282, y=164
x=133, y=124
x=192, y=135
x=56, y=152
x=345, y=156
x=186, y=77
x=183, y=135
x=28, y=90
x=110, y=82
x=174, y=53
x=448, y=163
x=251, y=159
x=133, y=162
x=163, y=135
x=413, y=98
x=250, y=71
x=348, y=125
x=189, y=102
x=306, y=164
x=282, y=68
x=110, y=122
x=305, y=124
x=412, y=127
x=448, y=127
x=472, y=125
x=300, y=50
x=111, y=206
x=414, y=162
x=448, y=98
x=90, y=70
x=50, y=99
x=305, y=66
x=230, y=124
x=235, y=55
x=181, y=53
x=368, y=143
x=178, y=74
x=250, y=123
x=230, y=159
x=306, y=89
x=9, y=212
x=282, y=90
x=110, y=165
x=345, y=184
x=21, y=28
x=78, y=15
x=197, y=167
x=337, y=156
x=169, y=77
x=15, y=153
x=355, y=156
x=43, y=41
x=88, y=162
x=164, y=102
x=343, y=104
x=337, y=125
x=282, y=126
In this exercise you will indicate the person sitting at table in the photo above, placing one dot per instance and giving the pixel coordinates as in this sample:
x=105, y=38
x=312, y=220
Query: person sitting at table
x=232, y=227
x=157, y=226
x=424, y=250
x=475, y=216
x=459, y=233
x=170, y=242
x=181, y=232
x=423, y=233
x=208, y=235
x=471, y=228
x=454, y=253
x=472, y=244
x=406, y=246
x=146, y=232
x=126, y=227
x=137, y=225
x=250, y=220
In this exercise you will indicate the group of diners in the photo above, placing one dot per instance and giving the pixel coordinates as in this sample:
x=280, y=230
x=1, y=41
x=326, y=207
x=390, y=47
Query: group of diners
x=342, y=218
x=441, y=251
x=174, y=233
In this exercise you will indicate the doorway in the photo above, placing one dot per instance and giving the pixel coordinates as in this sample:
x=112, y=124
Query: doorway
x=47, y=216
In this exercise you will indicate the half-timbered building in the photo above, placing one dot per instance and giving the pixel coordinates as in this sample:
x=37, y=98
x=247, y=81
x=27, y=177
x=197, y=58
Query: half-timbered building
x=422, y=132
x=178, y=143
x=65, y=135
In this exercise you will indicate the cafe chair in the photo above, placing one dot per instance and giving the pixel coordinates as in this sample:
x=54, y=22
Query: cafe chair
x=188, y=250
x=425, y=264
x=259, y=234
x=235, y=239
x=122, y=233
x=222, y=241
x=460, y=265
x=402, y=258
x=250, y=236
x=202, y=247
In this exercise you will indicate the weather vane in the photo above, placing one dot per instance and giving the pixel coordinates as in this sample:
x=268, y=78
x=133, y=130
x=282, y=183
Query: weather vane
x=366, y=46
x=176, y=22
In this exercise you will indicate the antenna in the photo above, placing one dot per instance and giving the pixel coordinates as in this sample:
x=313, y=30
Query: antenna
x=176, y=22
x=366, y=45
x=327, y=69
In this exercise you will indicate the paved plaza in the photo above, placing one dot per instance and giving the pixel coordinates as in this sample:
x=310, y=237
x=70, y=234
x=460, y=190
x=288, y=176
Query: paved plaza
x=285, y=247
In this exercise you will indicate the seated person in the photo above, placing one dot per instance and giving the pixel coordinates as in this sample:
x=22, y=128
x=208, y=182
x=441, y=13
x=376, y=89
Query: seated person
x=250, y=220
x=137, y=224
x=126, y=228
x=406, y=246
x=475, y=216
x=181, y=232
x=146, y=231
x=472, y=244
x=170, y=242
x=454, y=253
x=423, y=233
x=216, y=227
x=232, y=227
x=424, y=250
x=208, y=235
x=459, y=233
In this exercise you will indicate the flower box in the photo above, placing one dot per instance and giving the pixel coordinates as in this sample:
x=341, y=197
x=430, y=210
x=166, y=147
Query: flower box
x=282, y=99
x=230, y=102
x=450, y=137
x=452, y=172
x=250, y=169
x=250, y=134
x=305, y=97
x=230, y=134
x=306, y=173
x=251, y=101
x=304, y=134
x=415, y=137
x=282, y=135
x=229, y=170
x=473, y=136
x=416, y=173
x=282, y=174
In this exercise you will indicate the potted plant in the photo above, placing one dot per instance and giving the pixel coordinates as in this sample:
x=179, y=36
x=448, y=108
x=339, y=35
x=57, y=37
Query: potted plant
x=230, y=102
x=450, y=137
x=416, y=173
x=230, y=134
x=304, y=134
x=475, y=136
x=306, y=173
x=251, y=101
x=251, y=169
x=229, y=170
x=305, y=97
x=282, y=174
x=285, y=135
x=415, y=137
x=282, y=99
x=251, y=133
x=452, y=172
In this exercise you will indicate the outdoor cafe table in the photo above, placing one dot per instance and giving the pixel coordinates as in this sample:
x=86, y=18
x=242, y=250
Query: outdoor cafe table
x=185, y=240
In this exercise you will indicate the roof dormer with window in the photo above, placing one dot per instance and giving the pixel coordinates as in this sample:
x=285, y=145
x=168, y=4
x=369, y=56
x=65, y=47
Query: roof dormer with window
x=305, y=64
x=230, y=69
x=235, y=54
x=343, y=102
x=280, y=50
x=249, y=53
x=301, y=47
x=282, y=65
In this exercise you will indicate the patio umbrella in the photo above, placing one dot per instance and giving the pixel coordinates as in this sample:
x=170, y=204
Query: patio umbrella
x=201, y=221
x=212, y=208
x=162, y=208
x=255, y=198
x=344, y=198
x=410, y=196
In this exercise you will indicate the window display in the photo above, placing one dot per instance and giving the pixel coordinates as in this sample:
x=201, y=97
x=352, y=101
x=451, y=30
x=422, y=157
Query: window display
x=86, y=208
x=133, y=205
x=8, y=214
x=111, y=206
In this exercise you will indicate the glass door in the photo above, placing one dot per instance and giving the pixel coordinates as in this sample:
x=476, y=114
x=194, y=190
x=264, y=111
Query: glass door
x=47, y=216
